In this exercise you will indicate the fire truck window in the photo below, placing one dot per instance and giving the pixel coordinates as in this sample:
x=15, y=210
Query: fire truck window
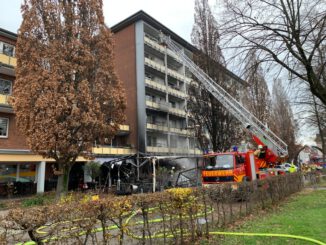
x=240, y=159
x=212, y=161
x=224, y=162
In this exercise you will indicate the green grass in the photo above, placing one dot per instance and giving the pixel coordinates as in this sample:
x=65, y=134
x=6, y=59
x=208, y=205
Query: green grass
x=303, y=215
x=38, y=200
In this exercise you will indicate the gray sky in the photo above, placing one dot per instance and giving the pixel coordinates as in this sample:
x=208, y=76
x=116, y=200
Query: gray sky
x=177, y=15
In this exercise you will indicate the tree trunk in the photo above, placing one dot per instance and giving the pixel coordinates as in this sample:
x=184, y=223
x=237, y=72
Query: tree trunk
x=63, y=179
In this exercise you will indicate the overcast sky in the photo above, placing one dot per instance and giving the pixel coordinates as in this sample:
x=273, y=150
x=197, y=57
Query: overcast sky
x=177, y=15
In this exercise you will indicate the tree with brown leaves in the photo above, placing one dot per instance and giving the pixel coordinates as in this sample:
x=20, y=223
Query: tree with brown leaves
x=67, y=94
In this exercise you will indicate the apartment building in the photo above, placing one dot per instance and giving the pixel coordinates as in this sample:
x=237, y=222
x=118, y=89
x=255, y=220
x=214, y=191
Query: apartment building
x=157, y=83
x=28, y=172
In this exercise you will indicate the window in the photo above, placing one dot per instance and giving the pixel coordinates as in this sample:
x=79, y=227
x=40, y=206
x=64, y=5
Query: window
x=4, y=122
x=224, y=162
x=5, y=87
x=8, y=49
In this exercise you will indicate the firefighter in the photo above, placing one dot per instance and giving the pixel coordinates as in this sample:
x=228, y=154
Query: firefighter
x=292, y=168
x=261, y=152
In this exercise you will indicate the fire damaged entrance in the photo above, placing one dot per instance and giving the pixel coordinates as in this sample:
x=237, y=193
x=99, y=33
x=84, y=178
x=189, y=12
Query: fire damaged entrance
x=149, y=174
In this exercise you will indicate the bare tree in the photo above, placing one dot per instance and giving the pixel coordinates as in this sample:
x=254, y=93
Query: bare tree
x=257, y=97
x=67, y=94
x=288, y=33
x=221, y=126
x=312, y=113
x=282, y=121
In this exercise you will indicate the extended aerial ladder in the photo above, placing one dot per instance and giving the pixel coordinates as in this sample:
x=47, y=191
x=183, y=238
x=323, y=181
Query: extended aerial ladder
x=261, y=134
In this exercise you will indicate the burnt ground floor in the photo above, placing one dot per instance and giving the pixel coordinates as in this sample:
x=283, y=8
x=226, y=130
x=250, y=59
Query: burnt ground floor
x=22, y=178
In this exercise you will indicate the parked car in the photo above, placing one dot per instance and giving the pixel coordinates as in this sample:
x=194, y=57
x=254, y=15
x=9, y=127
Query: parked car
x=285, y=167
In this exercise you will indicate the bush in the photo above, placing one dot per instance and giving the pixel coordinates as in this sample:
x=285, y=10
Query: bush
x=181, y=214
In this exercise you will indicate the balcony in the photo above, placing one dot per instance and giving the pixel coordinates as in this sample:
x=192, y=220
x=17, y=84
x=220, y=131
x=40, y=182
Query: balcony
x=159, y=127
x=163, y=106
x=8, y=60
x=124, y=128
x=179, y=150
x=103, y=150
x=4, y=99
x=178, y=75
x=155, y=65
x=177, y=112
x=177, y=93
x=155, y=44
x=157, y=149
x=181, y=131
x=155, y=85
x=195, y=151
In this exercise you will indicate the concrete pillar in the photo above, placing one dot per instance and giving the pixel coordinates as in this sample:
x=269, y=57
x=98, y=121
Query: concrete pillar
x=40, y=177
x=17, y=172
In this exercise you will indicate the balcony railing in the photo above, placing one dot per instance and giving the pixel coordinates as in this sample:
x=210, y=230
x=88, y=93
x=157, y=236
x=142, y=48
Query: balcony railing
x=177, y=93
x=124, y=127
x=177, y=111
x=4, y=99
x=161, y=68
x=8, y=60
x=159, y=127
x=155, y=85
x=157, y=149
x=154, y=65
x=102, y=150
x=154, y=44
x=179, y=150
x=181, y=131
x=164, y=106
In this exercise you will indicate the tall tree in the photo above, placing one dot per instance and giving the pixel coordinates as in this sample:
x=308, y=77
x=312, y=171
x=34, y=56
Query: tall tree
x=287, y=33
x=206, y=110
x=312, y=114
x=67, y=94
x=257, y=97
x=282, y=121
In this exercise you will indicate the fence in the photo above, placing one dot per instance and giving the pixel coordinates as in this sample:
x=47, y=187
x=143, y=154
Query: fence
x=180, y=215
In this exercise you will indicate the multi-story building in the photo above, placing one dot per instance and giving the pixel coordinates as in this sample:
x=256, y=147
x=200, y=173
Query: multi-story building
x=157, y=85
x=17, y=162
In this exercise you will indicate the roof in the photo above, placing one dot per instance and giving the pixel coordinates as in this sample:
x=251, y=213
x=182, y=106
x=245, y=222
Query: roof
x=8, y=34
x=141, y=15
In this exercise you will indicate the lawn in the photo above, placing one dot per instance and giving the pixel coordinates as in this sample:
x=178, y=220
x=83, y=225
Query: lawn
x=303, y=214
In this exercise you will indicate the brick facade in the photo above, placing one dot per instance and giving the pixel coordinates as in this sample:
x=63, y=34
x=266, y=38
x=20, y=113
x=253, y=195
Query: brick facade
x=125, y=61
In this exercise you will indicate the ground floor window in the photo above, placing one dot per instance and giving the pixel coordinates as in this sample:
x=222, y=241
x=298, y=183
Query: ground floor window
x=17, y=179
